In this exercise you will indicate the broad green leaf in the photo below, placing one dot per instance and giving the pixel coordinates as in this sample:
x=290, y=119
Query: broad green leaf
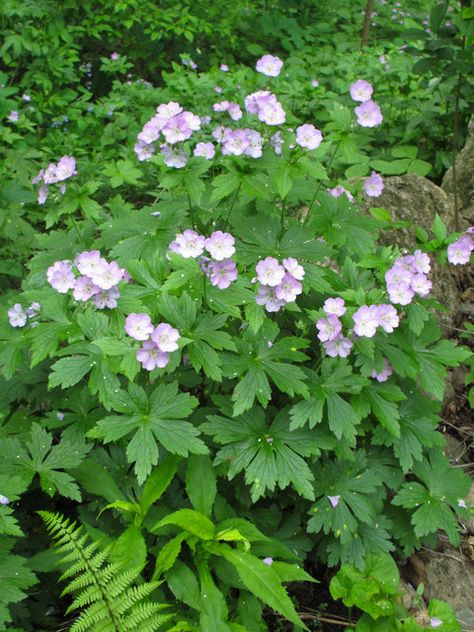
x=189, y=520
x=201, y=483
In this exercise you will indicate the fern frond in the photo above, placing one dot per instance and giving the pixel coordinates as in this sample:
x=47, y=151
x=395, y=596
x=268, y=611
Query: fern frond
x=107, y=596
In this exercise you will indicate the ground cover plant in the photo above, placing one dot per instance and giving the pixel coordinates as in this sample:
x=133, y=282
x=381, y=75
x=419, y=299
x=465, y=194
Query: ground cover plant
x=213, y=375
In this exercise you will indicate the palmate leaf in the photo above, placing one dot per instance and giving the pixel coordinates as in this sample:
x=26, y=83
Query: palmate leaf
x=39, y=456
x=153, y=420
x=359, y=491
x=436, y=498
x=270, y=454
x=336, y=377
x=261, y=358
x=15, y=578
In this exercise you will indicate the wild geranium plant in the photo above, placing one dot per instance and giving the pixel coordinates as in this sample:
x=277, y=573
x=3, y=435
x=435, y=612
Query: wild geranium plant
x=241, y=335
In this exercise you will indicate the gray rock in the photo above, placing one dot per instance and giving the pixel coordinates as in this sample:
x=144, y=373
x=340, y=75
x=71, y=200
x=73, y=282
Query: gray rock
x=417, y=199
x=449, y=576
x=464, y=177
x=465, y=617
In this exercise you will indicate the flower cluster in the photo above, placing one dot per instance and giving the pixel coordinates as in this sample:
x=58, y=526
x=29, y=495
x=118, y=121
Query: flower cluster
x=53, y=174
x=385, y=373
x=278, y=284
x=221, y=269
x=460, y=251
x=158, y=342
x=175, y=125
x=233, y=109
x=240, y=141
x=266, y=106
x=368, y=113
x=340, y=190
x=407, y=277
x=366, y=321
x=18, y=316
x=98, y=279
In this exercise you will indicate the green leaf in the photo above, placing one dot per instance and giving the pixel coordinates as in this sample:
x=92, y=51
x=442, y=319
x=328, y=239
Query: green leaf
x=129, y=550
x=158, y=481
x=68, y=371
x=201, y=483
x=261, y=580
x=439, y=228
x=168, y=555
x=189, y=520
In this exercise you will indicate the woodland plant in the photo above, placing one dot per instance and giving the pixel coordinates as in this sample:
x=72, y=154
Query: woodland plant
x=232, y=380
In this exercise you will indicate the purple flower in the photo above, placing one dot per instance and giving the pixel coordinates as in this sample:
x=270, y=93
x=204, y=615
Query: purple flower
x=368, y=114
x=435, y=622
x=462, y=503
x=65, y=168
x=4, y=500
x=42, y=194
x=270, y=272
x=366, y=320
x=373, y=185
x=361, y=91
x=268, y=561
x=106, y=298
x=340, y=346
x=339, y=190
x=17, y=316
x=459, y=252
x=205, y=150
x=166, y=111
x=174, y=157
x=139, y=326
x=33, y=310
x=334, y=500
x=329, y=328
x=388, y=317
x=151, y=357
x=421, y=262
x=60, y=276
x=266, y=296
x=294, y=268
x=420, y=284
x=277, y=142
x=84, y=288
x=254, y=148
x=334, y=307
x=151, y=130
x=223, y=273
x=217, y=89
x=106, y=275
x=165, y=337
x=400, y=294
x=220, y=245
x=143, y=150
x=88, y=261
x=13, y=116
x=253, y=102
x=384, y=374
x=236, y=142
x=114, y=56
x=188, y=244
x=49, y=176
x=177, y=129
x=314, y=83
x=288, y=289
x=26, y=97
x=224, y=68
x=272, y=113
x=269, y=65
x=308, y=136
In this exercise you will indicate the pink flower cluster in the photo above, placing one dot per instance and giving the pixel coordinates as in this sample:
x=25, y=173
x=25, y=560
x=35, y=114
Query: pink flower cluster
x=221, y=269
x=158, y=342
x=18, y=316
x=407, y=277
x=240, y=141
x=368, y=113
x=98, y=279
x=340, y=190
x=278, y=284
x=233, y=109
x=175, y=125
x=266, y=106
x=459, y=252
x=330, y=329
x=53, y=174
